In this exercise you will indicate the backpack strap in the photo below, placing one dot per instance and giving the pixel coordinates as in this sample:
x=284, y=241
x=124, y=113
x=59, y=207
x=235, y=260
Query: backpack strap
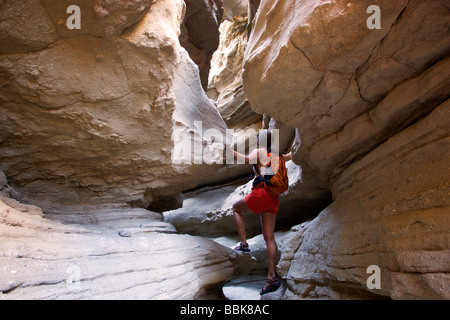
x=262, y=178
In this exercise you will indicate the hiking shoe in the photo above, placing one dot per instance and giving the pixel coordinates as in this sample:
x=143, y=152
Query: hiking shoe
x=273, y=284
x=242, y=247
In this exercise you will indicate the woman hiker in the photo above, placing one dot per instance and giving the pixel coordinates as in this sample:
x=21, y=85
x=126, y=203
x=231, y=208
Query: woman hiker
x=261, y=202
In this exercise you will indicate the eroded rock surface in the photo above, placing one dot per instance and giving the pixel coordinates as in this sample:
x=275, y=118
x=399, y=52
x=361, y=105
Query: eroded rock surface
x=391, y=210
x=371, y=112
x=104, y=252
x=90, y=118
x=316, y=73
x=88, y=114
x=225, y=80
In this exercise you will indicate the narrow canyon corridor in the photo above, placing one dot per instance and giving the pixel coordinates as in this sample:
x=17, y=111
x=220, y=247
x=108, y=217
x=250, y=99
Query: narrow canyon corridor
x=119, y=120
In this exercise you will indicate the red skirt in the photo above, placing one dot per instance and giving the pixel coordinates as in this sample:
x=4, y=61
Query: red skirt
x=259, y=200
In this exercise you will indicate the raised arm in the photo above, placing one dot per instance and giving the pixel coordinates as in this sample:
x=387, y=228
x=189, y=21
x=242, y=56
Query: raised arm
x=252, y=158
x=240, y=157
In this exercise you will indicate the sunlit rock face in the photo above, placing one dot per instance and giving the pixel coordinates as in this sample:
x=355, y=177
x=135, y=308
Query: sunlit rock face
x=102, y=121
x=316, y=66
x=371, y=108
x=88, y=114
x=225, y=80
x=390, y=210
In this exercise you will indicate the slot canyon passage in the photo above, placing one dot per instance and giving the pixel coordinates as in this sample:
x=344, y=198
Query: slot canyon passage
x=93, y=205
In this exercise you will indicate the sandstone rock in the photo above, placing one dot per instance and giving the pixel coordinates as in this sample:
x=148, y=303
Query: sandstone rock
x=253, y=6
x=368, y=129
x=408, y=101
x=225, y=88
x=208, y=212
x=3, y=180
x=334, y=75
x=47, y=259
x=417, y=41
x=245, y=287
x=89, y=115
x=91, y=119
x=25, y=27
x=107, y=19
x=326, y=88
x=225, y=80
x=390, y=210
x=233, y=8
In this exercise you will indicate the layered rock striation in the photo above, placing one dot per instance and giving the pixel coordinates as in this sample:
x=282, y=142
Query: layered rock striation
x=104, y=252
x=94, y=119
x=370, y=107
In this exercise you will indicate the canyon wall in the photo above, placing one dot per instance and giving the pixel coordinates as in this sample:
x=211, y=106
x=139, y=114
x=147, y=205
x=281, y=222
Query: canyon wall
x=92, y=115
x=93, y=118
x=370, y=107
x=200, y=33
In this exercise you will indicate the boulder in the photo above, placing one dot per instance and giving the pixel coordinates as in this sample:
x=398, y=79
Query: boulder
x=82, y=253
x=92, y=115
x=391, y=211
x=346, y=68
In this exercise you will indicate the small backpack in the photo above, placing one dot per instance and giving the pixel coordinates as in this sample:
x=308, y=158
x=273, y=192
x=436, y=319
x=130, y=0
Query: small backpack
x=279, y=182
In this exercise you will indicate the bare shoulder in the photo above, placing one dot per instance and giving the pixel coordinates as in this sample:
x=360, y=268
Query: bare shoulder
x=263, y=156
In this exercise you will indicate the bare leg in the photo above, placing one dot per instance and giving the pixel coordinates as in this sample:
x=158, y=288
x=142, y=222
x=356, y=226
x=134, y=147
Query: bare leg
x=268, y=227
x=240, y=207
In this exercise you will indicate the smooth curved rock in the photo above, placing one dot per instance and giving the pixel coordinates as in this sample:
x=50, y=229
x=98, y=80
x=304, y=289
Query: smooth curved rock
x=391, y=210
x=90, y=117
x=82, y=256
x=225, y=80
x=370, y=108
x=326, y=69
